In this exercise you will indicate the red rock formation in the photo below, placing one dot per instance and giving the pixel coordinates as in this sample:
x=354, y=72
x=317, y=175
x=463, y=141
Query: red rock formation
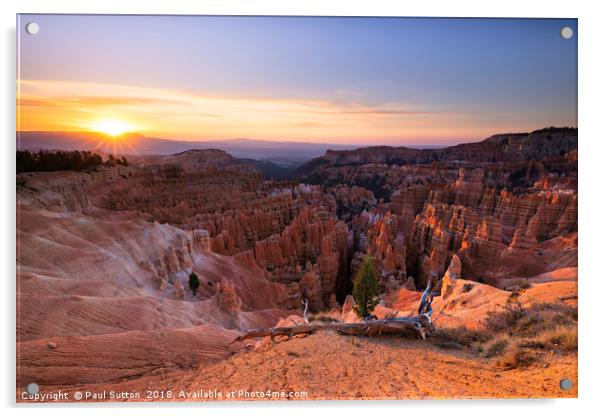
x=227, y=299
x=178, y=290
x=506, y=160
x=500, y=224
x=201, y=240
x=523, y=243
x=352, y=200
x=313, y=237
x=452, y=274
x=311, y=288
x=117, y=245
x=328, y=265
x=468, y=189
x=407, y=202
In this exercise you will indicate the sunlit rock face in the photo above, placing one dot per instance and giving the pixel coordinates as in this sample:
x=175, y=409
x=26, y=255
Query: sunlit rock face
x=506, y=206
x=118, y=245
x=452, y=274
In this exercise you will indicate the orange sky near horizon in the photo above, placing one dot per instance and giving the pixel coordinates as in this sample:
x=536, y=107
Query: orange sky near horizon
x=175, y=114
x=350, y=81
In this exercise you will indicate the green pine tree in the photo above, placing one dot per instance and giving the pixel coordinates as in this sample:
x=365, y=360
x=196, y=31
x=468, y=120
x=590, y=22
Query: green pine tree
x=365, y=288
x=193, y=282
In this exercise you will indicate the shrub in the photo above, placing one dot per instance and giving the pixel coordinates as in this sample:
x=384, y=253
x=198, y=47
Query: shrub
x=556, y=308
x=562, y=337
x=515, y=357
x=508, y=317
x=365, y=288
x=545, y=317
x=497, y=347
x=193, y=282
x=447, y=337
x=467, y=287
x=322, y=318
x=512, y=332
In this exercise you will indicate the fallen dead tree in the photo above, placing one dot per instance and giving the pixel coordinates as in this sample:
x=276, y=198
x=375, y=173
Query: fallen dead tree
x=420, y=326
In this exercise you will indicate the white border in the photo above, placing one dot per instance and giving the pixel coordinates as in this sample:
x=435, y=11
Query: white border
x=590, y=152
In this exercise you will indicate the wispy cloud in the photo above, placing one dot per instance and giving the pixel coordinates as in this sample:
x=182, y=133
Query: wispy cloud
x=62, y=105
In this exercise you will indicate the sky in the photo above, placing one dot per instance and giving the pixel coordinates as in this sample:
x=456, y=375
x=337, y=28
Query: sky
x=396, y=81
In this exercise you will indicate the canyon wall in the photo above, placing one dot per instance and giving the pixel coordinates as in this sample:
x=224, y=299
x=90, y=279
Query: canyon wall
x=506, y=206
x=104, y=256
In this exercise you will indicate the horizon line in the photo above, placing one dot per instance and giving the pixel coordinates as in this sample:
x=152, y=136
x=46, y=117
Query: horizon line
x=452, y=142
x=355, y=145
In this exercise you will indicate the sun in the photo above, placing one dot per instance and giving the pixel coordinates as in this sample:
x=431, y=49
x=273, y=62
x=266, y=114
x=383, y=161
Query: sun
x=111, y=127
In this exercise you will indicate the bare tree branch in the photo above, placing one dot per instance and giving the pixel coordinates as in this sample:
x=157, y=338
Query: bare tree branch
x=305, y=303
x=420, y=326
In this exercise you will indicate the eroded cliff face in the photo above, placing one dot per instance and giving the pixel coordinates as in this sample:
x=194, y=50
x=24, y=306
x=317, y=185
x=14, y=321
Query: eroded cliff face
x=506, y=207
x=105, y=256
x=217, y=207
x=498, y=235
x=508, y=160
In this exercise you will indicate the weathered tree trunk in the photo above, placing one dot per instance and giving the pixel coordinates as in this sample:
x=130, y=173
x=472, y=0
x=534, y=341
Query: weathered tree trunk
x=420, y=326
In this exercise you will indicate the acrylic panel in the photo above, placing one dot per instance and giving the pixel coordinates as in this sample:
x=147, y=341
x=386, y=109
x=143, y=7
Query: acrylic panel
x=295, y=208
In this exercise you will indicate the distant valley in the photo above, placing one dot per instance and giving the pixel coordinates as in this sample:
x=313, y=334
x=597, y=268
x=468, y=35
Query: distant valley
x=286, y=154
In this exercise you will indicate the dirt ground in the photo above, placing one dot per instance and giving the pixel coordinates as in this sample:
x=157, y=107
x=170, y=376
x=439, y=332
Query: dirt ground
x=330, y=366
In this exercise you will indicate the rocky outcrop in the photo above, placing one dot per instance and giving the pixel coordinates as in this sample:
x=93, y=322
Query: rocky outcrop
x=407, y=202
x=106, y=256
x=523, y=243
x=351, y=200
x=468, y=188
x=516, y=151
x=227, y=299
x=328, y=265
x=206, y=160
x=311, y=288
x=347, y=312
x=452, y=274
x=178, y=290
x=493, y=204
x=537, y=145
x=201, y=240
x=313, y=239
x=381, y=235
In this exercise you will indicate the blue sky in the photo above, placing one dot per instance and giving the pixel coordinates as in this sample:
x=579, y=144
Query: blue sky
x=344, y=80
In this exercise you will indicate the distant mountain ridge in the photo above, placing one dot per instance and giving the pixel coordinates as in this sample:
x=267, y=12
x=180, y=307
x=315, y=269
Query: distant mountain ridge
x=284, y=154
x=539, y=144
x=303, y=160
